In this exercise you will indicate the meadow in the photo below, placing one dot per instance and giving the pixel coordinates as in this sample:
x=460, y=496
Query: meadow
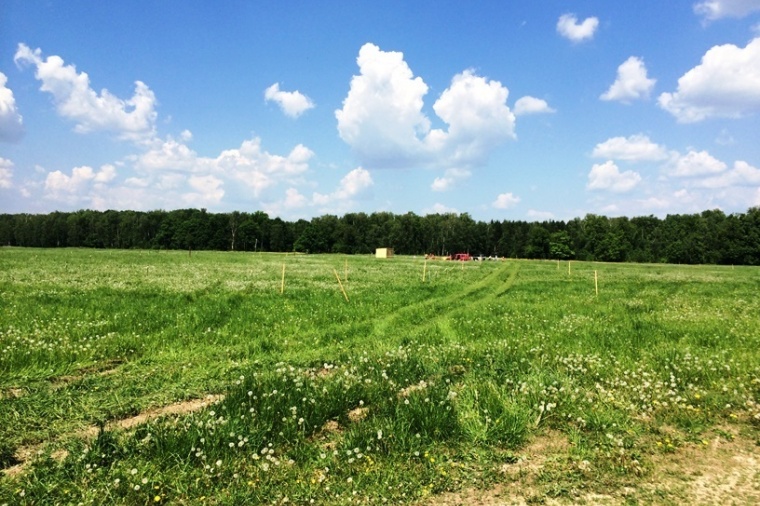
x=145, y=377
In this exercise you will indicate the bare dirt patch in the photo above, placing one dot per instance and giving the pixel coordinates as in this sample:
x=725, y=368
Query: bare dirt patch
x=720, y=470
x=25, y=455
x=12, y=393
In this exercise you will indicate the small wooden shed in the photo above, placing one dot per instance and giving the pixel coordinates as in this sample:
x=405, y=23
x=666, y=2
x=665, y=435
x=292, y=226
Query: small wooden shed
x=383, y=252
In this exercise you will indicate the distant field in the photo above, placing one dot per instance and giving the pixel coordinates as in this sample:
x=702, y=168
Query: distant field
x=137, y=377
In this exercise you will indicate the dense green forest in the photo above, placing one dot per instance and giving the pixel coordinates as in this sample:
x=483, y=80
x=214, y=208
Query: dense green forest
x=711, y=237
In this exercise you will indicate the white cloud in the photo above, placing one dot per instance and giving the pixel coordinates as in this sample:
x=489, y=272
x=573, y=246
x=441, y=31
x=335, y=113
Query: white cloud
x=208, y=191
x=249, y=164
x=76, y=187
x=743, y=174
x=531, y=105
x=257, y=168
x=11, y=122
x=536, y=215
x=352, y=185
x=382, y=117
x=607, y=176
x=6, y=173
x=294, y=199
x=449, y=180
x=632, y=82
x=697, y=163
x=169, y=154
x=383, y=122
x=569, y=27
x=106, y=174
x=633, y=148
x=505, y=201
x=711, y=10
x=130, y=119
x=439, y=208
x=292, y=103
x=725, y=84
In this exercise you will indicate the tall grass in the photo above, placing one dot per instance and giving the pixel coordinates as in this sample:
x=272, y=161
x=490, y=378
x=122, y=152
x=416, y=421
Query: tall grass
x=409, y=390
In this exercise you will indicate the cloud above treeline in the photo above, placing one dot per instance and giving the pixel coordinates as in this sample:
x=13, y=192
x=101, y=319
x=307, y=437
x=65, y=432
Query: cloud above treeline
x=382, y=117
x=133, y=118
x=676, y=179
x=726, y=84
x=11, y=122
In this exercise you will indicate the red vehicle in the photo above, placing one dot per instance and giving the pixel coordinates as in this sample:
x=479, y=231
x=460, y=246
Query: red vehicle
x=462, y=257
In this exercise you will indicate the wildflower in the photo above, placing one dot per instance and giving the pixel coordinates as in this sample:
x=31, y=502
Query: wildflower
x=157, y=498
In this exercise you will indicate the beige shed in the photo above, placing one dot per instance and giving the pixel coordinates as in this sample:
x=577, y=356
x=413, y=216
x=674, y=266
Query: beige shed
x=383, y=252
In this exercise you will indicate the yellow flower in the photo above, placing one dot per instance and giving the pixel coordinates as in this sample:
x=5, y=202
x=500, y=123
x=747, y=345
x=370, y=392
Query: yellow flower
x=157, y=498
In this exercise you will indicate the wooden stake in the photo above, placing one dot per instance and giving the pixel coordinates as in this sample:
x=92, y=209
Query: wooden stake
x=345, y=271
x=596, y=284
x=340, y=284
x=282, y=285
x=568, y=267
x=424, y=271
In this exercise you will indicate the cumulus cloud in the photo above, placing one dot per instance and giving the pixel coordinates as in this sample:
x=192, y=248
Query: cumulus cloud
x=710, y=10
x=11, y=122
x=449, y=180
x=632, y=82
x=76, y=187
x=569, y=27
x=697, y=163
x=207, y=191
x=505, y=201
x=6, y=173
x=292, y=103
x=132, y=119
x=249, y=164
x=439, y=208
x=382, y=119
x=294, y=199
x=257, y=168
x=607, y=176
x=531, y=105
x=536, y=215
x=743, y=174
x=725, y=84
x=633, y=148
x=352, y=185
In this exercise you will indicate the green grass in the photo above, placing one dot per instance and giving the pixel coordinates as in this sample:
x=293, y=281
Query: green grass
x=408, y=390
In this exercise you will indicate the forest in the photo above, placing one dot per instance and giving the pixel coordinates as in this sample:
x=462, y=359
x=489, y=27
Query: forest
x=710, y=237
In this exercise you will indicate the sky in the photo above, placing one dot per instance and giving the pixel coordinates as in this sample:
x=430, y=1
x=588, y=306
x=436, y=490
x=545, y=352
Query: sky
x=506, y=110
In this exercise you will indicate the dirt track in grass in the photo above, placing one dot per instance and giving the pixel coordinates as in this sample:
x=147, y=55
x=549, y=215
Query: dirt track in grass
x=25, y=455
x=724, y=469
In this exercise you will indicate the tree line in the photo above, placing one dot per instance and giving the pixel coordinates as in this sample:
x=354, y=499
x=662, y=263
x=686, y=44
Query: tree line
x=710, y=237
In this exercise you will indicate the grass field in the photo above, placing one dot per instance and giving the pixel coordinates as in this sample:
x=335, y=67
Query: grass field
x=136, y=377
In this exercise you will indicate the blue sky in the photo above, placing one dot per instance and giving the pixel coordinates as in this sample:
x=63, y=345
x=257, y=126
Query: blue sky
x=501, y=109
